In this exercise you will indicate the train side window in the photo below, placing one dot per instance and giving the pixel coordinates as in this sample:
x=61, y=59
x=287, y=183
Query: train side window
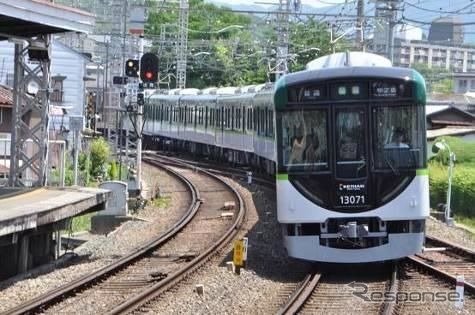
x=249, y=119
x=239, y=119
x=271, y=120
x=197, y=115
x=233, y=117
x=263, y=122
x=266, y=117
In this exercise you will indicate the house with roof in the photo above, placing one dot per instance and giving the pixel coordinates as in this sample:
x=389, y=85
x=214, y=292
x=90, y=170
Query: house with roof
x=447, y=120
x=447, y=117
x=68, y=76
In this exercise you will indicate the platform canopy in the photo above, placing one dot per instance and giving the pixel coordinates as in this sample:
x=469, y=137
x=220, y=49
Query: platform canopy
x=30, y=18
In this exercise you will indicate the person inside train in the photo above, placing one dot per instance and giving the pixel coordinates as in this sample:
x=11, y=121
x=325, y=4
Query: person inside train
x=310, y=153
x=398, y=140
x=298, y=145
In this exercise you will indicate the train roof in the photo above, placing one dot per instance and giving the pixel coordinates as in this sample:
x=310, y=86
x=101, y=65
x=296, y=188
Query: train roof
x=210, y=90
x=349, y=59
x=227, y=90
x=316, y=76
x=189, y=92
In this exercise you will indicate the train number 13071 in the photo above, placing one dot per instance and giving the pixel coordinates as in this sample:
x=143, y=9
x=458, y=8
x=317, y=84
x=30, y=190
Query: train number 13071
x=352, y=199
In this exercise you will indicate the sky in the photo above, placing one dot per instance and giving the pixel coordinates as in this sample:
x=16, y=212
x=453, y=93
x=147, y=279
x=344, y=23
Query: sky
x=314, y=3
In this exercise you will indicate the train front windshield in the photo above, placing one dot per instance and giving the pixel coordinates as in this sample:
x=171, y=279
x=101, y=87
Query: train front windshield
x=304, y=137
x=397, y=140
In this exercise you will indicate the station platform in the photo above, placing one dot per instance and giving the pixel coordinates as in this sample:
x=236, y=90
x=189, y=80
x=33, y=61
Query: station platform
x=24, y=210
x=31, y=221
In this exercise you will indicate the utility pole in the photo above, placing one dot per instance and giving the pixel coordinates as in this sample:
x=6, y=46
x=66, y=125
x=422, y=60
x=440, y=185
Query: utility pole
x=387, y=12
x=283, y=15
x=139, y=129
x=182, y=44
x=360, y=26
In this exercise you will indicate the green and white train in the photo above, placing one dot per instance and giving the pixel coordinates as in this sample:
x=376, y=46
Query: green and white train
x=345, y=139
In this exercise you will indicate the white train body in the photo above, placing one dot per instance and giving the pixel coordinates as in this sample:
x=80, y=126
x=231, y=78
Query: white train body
x=332, y=207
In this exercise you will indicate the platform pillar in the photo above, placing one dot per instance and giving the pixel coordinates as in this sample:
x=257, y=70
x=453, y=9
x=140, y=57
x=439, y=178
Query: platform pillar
x=23, y=254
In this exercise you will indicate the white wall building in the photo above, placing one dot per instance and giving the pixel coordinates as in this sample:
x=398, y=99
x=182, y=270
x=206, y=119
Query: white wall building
x=68, y=74
x=456, y=59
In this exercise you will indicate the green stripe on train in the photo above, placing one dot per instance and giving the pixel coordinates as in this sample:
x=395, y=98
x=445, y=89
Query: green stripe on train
x=422, y=171
x=420, y=84
x=280, y=94
x=282, y=176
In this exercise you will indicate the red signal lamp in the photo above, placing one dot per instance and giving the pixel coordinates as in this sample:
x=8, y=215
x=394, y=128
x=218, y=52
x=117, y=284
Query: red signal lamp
x=148, y=75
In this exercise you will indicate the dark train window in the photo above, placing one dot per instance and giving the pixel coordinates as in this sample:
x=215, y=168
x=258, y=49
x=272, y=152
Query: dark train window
x=271, y=123
x=232, y=117
x=195, y=115
x=344, y=90
x=249, y=119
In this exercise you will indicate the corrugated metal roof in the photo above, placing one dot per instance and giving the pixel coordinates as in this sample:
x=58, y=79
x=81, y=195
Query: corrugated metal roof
x=430, y=109
x=449, y=131
x=6, y=96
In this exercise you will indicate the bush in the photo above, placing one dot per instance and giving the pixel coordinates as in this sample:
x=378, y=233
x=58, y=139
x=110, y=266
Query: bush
x=99, y=154
x=113, y=171
x=463, y=187
x=464, y=151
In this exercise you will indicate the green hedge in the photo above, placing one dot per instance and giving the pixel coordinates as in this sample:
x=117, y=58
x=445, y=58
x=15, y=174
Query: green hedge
x=463, y=187
x=464, y=150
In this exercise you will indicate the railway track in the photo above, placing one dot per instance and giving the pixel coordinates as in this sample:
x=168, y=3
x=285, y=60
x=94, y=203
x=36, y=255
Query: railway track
x=447, y=264
x=224, y=170
x=335, y=291
x=157, y=265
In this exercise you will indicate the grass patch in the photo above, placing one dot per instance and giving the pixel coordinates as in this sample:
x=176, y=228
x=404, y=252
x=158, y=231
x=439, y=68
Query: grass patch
x=467, y=221
x=162, y=202
x=82, y=223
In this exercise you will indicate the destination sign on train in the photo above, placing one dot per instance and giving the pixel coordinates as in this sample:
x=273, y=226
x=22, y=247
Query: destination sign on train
x=387, y=89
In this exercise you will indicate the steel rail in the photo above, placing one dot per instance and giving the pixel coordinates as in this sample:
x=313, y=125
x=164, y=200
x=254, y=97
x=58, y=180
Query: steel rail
x=223, y=170
x=42, y=301
x=418, y=262
x=389, y=308
x=462, y=251
x=301, y=295
x=160, y=287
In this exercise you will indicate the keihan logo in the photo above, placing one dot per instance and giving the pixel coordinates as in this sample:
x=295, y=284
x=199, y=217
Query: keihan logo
x=351, y=187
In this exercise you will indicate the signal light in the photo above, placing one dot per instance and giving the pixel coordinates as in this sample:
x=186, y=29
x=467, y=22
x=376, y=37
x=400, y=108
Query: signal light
x=140, y=99
x=132, y=68
x=149, y=68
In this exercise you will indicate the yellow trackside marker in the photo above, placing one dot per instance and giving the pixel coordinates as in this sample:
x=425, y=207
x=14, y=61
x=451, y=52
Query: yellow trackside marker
x=238, y=255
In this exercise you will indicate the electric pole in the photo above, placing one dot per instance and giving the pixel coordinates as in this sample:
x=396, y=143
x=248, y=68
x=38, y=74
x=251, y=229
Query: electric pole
x=387, y=17
x=182, y=44
x=283, y=15
x=360, y=26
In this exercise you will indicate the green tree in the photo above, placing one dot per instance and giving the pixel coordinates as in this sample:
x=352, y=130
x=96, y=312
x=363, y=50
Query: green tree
x=438, y=79
x=236, y=55
x=99, y=154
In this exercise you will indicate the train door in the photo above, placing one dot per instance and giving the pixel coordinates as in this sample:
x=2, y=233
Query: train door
x=351, y=157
